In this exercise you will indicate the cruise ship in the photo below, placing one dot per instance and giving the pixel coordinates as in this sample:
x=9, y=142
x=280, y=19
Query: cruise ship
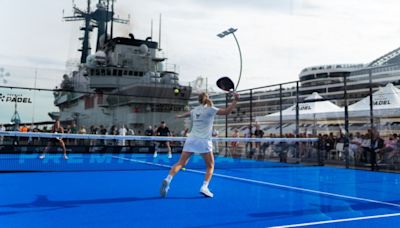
x=327, y=80
x=125, y=82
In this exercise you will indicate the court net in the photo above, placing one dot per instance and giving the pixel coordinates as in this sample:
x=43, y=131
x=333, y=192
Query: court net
x=34, y=151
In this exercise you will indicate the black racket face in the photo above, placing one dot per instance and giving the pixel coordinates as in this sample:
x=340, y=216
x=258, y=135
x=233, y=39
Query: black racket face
x=225, y=83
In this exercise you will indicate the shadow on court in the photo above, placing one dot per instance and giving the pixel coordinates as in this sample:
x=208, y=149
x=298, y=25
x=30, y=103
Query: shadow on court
x=43, y=201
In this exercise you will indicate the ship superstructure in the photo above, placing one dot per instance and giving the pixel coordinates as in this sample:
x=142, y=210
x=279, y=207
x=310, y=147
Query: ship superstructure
x=125, y=82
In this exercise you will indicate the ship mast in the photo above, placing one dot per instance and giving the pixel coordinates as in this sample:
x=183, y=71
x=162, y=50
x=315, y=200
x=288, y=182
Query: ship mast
x=16, y=119
x=95, y=19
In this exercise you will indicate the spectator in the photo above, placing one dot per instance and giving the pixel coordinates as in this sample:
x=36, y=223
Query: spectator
x=130, y=131
x=24, y=128
x=322, y=145
x=235, y=145
x=149, y=132
x=377, y=144
x=214, y=134
x=258, y=133
x=388, y=149
x=93, y=130
x=355, y=146
x=396, y=151
x=365, y=146
x=73, y=129
x=163, y=130
x=247, y=134
x=102, y=130
x=82, y=130
x=122, y=132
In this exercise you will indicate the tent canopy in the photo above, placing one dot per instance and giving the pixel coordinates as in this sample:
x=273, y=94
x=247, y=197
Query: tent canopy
x=307, y=110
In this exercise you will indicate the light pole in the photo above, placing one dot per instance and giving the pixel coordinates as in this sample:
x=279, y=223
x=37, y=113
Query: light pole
x=228, y=32
x=222, y=35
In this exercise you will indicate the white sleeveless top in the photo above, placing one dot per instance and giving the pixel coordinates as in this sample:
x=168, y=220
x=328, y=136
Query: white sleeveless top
x=202, y=122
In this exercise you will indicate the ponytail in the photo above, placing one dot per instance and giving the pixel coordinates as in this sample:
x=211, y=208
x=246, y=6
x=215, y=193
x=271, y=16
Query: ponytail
x=205, y=100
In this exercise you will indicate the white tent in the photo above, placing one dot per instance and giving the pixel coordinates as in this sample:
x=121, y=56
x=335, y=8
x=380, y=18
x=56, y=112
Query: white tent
x=307, y=111
x=386, y=103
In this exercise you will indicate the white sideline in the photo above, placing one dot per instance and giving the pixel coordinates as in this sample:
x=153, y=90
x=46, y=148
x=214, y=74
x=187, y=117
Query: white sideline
x=270, y=184
x=337, y=220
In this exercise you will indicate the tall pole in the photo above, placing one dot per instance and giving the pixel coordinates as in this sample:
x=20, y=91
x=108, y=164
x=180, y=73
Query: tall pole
x=107, y=18
x=112, y=19
x=232, y=31
x=371, y=105
x=280, y=111
x=241, y=60
x=371, y=118
x=297, y=109
x=346, y=121
x=222, y=35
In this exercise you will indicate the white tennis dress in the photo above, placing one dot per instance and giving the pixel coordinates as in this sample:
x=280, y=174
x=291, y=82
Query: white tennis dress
x=199, y=140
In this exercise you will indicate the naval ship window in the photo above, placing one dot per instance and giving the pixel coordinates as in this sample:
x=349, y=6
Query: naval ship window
x=108, y=72
x=125, y=72
x=130, y=73
x=119, y=72
x=103, y=72
x=135, y=73
x=97, y=72
x=140, y=74
x=91, y=72
x=115, y=72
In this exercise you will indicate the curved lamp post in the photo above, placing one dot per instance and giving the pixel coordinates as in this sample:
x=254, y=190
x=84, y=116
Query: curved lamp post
x=222, y=35
x=228, y=32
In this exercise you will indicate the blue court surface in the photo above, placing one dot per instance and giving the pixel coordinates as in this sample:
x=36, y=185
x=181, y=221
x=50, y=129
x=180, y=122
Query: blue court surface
x=123, y=191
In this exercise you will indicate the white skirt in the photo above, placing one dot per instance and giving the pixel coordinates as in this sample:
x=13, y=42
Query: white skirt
x=197, y=145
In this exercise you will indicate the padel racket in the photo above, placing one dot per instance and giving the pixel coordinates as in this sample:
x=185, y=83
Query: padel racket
x=226, y=84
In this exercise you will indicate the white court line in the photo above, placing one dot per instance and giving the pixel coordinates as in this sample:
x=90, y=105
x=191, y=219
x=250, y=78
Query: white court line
x=337, y=221
x=269, y=183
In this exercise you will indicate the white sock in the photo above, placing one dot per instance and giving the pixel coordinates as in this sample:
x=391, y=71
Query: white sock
x=205, y=184
x=169, y=178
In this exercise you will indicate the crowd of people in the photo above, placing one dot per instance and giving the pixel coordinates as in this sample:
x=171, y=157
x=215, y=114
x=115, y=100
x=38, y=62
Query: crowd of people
x=369, y=147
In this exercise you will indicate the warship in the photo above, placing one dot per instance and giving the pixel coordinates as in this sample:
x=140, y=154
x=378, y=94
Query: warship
x=125, y=82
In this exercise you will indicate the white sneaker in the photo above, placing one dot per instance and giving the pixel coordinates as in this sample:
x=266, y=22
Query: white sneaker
x=169, y=155
x=65, y=157
x=155, y=155
x=42, y=156
x=206, y=192
x=164, y=188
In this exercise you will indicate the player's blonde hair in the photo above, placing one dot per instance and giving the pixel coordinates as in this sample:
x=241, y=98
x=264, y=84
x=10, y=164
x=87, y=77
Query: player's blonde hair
x=204, y=99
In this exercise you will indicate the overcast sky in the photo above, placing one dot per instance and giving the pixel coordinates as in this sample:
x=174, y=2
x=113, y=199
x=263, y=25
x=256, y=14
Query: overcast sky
x=278, y=38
